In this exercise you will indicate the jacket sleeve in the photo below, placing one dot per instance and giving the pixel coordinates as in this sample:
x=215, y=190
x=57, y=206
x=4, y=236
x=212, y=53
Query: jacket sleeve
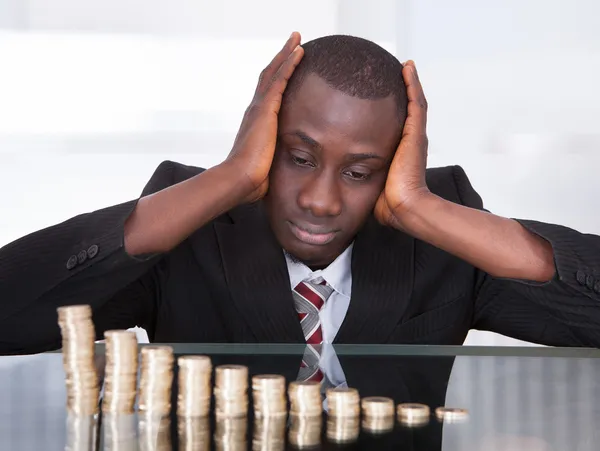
x=79, y=261
x=562, y=312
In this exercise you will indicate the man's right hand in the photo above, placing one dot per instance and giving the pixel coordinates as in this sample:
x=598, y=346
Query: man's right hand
x=254, y=146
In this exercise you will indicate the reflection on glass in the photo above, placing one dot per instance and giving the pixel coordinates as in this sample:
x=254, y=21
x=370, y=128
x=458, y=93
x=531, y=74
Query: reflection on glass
x=269, y=433
x=230, y=434
x=305, y=431
x=119, y=432
x=81, y=433
x=154, y=433
x=342, y=429
x=193, y=433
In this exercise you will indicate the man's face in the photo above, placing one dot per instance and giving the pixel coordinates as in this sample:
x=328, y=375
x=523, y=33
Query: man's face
x=330, y=166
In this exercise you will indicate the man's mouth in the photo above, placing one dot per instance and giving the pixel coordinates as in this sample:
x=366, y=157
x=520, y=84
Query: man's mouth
x=318, y=236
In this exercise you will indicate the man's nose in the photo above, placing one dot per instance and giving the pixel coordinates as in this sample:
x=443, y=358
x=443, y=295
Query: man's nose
x=321, y=195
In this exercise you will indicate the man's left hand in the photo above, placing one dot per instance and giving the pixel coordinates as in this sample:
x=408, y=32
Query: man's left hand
x=405, y=183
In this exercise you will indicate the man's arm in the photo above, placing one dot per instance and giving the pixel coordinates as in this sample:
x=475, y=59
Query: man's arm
x=501, y=247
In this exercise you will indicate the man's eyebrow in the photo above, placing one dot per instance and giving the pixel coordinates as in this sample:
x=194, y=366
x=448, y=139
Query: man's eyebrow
x=306, y=139
x=364, y=156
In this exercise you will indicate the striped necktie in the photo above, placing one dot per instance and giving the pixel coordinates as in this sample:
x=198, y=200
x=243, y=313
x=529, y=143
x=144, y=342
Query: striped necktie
x=309, y=298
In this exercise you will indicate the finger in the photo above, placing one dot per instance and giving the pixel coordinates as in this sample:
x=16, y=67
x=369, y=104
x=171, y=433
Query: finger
x=269, y=71
x=280, y=80
x=416, y=122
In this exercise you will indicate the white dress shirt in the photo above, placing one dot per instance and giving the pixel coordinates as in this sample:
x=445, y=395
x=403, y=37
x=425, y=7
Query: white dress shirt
x=338, y=275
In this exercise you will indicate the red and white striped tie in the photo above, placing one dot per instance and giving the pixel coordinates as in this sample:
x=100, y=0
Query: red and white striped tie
x=309, y=298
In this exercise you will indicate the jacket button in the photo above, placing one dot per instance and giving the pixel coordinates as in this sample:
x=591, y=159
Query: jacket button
x=92, y=251
x=72, y=262
x=81, y=257
x=580, y=277
x=589, y=282
x=597, y=288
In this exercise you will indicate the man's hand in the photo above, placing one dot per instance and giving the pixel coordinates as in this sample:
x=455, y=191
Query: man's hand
x=254, y=146
x=405, y=183
x=499, y=246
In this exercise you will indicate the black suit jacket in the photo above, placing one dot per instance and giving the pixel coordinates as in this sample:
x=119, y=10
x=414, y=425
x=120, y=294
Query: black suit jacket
x=228, y=282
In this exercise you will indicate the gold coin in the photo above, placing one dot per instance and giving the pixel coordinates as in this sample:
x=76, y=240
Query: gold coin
x=378, y=424
x=305, y=431
x=451, y=414
x=305, y=398
x=343, y=402
x=342, y=429
x=195, y=389
x=413, y=414
x=377, y=406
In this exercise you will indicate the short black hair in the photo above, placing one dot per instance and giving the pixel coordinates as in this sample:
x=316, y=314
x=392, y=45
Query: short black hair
x=355, y=66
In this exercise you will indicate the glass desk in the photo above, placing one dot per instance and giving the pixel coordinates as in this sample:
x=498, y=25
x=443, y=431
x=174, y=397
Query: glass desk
x=526, y=398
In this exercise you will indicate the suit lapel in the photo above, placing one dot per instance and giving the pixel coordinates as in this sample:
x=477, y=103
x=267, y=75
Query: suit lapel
x=257, y=276
x=382, y=281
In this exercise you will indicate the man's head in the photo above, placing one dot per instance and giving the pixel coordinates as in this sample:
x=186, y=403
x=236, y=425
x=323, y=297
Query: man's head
x=339, y=126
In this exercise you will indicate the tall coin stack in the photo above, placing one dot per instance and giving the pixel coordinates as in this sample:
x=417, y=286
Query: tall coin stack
x=120, y=378
x=156, y=380
x=378, y=414
x=231, y=391
x=343, y=414
x=193, y=398
x=305, y=398
x=268, y=394
x=78, y=336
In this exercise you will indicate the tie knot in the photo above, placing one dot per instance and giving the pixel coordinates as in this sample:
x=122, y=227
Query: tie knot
x=310, y=294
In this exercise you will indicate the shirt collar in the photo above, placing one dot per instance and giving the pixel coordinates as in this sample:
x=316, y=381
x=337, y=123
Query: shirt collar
x=338, y=274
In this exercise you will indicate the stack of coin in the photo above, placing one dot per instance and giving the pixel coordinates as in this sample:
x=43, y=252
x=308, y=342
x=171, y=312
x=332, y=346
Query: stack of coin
x=231, y=390
x=268, y=394
x=230, y=434
x=269, y=433
x=193, y=398
x=156, y=380
x=193, y=433
x=342, y=429
x=305, y=398
x=305, y=431
x=343, y=402
x=154, y=432
x=120, y=379
x=78, y=336
x=378, y=414
x=413, y=414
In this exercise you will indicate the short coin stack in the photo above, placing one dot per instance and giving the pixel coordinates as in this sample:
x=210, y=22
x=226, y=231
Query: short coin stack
x=78, y=336
x=305, y=398
x=268, y=394
x=378, y=414
x=120, y=379
x=413, y=414
x=231, y=391
x=451, y=414
x=195, y=390
x=156, y=380
x=343, y=414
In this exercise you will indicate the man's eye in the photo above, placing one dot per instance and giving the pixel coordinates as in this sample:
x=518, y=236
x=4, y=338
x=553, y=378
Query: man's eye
x=301, y=161
x=357, y=175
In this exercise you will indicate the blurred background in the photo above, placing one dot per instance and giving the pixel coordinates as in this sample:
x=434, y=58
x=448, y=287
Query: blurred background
x=94, y=94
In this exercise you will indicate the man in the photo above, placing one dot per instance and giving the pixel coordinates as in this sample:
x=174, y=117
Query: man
x=321, y=226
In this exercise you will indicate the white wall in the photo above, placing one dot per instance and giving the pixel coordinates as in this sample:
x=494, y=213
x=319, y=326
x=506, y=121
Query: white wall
x=94, y=94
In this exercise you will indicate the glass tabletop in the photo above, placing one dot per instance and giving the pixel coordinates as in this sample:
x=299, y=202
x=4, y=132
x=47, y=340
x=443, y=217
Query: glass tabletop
x=526, y=398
